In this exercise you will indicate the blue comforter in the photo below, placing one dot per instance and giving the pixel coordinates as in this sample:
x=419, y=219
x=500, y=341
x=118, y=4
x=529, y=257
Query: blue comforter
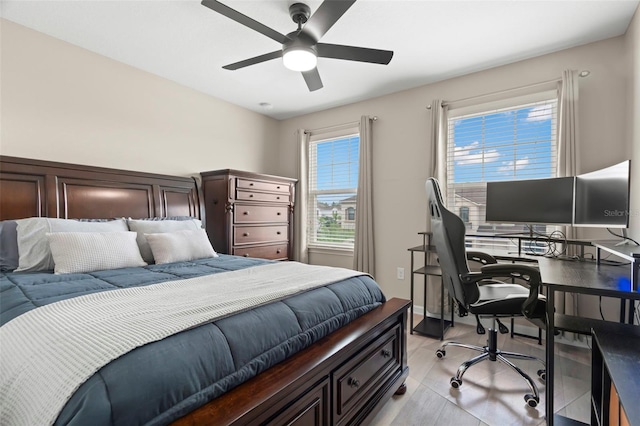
x=162, y=381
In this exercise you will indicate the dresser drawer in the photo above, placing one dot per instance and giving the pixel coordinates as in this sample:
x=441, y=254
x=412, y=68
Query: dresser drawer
x=362, y=376
x=273, y=252
x=261, y=185
x=260, y=214
x=261, y=196
x=258, y=234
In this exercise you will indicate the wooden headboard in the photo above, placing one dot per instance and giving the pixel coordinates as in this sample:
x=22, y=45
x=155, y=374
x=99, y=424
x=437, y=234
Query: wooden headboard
x=35, y=188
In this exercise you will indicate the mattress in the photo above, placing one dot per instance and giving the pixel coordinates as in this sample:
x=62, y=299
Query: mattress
x=162, y=381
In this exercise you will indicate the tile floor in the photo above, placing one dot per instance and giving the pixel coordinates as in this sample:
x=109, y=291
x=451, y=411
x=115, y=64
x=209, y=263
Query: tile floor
x=491, y=394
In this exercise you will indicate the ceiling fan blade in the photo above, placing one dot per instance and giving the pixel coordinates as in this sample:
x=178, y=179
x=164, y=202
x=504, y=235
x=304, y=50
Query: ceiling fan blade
x=312, y=77
x=352, y=53
x=254, y=60
x=245, y=20
x=324, y=18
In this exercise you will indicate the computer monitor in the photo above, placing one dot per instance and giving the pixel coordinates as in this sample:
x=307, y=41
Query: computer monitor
x=540, y=201
x=602, y=197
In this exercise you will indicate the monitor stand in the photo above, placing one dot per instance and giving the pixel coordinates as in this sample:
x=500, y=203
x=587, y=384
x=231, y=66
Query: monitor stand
x=625, y=241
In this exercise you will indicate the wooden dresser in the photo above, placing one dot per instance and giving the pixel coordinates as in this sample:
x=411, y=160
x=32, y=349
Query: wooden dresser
x=249, y=214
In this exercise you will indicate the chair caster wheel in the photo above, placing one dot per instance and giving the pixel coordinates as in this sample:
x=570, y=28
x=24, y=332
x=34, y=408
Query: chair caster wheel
x=440, y=353
x=455, y=383
x=542, y=374
x=502, y=328
x=531, y=400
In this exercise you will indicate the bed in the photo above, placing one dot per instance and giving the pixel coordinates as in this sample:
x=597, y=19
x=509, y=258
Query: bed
x=338, y=369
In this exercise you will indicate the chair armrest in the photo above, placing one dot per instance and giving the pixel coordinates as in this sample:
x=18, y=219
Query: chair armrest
x=481, y=257
x=513, y=270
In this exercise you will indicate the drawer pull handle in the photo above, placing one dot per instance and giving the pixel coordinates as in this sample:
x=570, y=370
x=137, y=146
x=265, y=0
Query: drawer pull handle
x=251, y=184
x=278, y=251
x=386, y=353
x=246, y=234
x=278, y=232
x=279, y=213
x=354, y=383
x=250, y=195
x=246, y=255
x=246, y=213
x=278, y=187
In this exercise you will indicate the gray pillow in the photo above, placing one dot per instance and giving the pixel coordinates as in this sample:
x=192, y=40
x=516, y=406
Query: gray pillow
x=78, y=252
x=142, y=227
x=33, y=245
x=180, y=246
x=8, y=245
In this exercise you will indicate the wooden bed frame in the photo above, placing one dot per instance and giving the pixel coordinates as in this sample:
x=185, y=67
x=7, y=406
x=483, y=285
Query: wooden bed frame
x=344, y=378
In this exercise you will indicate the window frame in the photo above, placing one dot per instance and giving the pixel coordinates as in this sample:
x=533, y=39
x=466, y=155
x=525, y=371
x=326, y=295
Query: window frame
x=513, y=103
x=316, y=138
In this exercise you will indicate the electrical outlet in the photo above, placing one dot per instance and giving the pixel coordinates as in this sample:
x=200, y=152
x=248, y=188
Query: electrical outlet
x=400, y=273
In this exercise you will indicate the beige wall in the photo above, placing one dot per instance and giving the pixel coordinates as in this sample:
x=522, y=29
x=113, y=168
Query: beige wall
x=632, y=39
x=64, y=103
x=401, y=147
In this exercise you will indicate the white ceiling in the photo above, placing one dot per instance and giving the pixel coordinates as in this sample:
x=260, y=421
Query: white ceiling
x=188, y=43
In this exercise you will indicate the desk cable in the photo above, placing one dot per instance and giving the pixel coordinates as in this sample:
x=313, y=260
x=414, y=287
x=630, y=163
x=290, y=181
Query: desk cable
x=624, y=237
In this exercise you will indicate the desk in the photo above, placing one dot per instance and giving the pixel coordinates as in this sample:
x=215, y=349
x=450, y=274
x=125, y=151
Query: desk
x=626, y=252
x=581, y=278
x=531, y=238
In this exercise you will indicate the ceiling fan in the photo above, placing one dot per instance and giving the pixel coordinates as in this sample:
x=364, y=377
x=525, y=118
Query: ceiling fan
x=301, y=48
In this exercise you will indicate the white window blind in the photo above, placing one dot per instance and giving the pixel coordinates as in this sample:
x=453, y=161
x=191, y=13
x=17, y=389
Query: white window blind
x=333, y=185
x=509, y=143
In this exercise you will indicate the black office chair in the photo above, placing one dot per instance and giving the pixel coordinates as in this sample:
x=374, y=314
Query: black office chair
x=479, y=293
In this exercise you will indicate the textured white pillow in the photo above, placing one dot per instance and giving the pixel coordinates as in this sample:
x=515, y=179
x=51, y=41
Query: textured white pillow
x=180, y=246
x=33, y=245
x=158, y=226
x=77, y=252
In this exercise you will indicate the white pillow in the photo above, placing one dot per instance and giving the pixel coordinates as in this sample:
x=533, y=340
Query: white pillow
x=180, y=246
x=33, y=246
x=77, y=252
x=158, y=226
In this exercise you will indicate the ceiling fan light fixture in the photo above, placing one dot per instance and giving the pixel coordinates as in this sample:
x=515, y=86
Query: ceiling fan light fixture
x=299, y=58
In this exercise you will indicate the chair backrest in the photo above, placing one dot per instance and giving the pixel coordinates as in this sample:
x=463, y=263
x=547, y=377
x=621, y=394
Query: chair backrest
x=448, y=236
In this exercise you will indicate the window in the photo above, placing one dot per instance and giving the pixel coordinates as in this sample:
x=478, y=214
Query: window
x=508, y=143
x=464, y=214
x=351, y=213
x=333, y=184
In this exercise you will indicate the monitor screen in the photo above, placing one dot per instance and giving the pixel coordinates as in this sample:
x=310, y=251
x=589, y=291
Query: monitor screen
x=544, y=201
x=602, y=197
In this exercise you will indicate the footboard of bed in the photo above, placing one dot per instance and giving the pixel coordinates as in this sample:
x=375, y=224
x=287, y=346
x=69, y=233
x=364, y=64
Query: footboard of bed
x=342, y=379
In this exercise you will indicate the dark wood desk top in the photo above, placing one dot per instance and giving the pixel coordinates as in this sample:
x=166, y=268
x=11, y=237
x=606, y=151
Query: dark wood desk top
x=587, y=278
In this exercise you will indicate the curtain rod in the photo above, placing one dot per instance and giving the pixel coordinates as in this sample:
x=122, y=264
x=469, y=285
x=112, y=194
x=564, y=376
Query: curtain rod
x=513, y=89
x=338, y=126
x=583, y=73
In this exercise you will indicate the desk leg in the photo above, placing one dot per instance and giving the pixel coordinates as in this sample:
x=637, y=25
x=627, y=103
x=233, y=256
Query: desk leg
x=424, y=297
x=550, y=350
x=635, y=271
x=441, y=309
x=411, y=316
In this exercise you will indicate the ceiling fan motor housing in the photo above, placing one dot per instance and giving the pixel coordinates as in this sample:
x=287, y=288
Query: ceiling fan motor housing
x=299, y=41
